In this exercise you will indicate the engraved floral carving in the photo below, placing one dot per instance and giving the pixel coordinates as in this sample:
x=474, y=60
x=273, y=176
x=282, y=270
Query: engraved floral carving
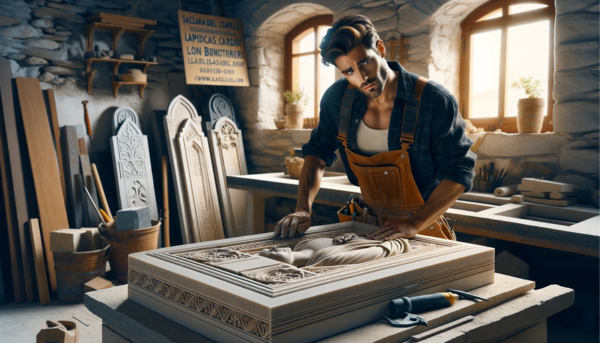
x=281, y=275
x=133, y=169
x=217, y=255
x=227, y=136
x=124, y=114
x=201, y=304
x=221, y=108
x=323, y=270
x=130, y=144
x=137, y=195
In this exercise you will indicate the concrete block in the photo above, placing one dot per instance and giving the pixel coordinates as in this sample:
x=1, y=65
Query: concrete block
x=539, y=185
x=530, y=194
x=96, y=283
x=90, y=239
x=509, y=264
x=133, y=218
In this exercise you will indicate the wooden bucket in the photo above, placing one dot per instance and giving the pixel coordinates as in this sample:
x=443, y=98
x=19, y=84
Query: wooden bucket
x=75, y=269
x=128, y=242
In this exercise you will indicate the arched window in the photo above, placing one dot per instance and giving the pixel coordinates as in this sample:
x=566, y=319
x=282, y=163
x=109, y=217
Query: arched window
x=502, y=41
x=303, y=61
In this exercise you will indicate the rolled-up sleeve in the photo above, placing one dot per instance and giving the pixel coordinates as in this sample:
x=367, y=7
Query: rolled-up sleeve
x=323, y=139
x=450, y=145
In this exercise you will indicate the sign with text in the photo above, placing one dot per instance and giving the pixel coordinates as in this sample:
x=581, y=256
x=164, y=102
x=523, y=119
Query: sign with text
x=214, y=52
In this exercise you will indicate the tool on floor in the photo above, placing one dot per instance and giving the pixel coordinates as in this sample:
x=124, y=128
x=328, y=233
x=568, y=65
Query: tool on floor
x=93, y=203
x=420, y=303
x=88, y=125
x=409, y=320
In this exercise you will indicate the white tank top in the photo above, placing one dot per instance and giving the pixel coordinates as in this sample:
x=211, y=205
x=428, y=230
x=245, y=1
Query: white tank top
x=371, y=141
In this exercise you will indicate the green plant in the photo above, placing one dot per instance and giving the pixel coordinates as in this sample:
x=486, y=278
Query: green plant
x=296, y=96
x=530, y=85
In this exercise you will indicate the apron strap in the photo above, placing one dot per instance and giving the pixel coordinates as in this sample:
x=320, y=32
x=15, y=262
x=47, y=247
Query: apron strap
x=411, y=114
x=345, y=110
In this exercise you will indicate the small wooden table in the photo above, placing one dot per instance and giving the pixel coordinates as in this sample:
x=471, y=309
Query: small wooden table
x=573, y=229
x=516, y=313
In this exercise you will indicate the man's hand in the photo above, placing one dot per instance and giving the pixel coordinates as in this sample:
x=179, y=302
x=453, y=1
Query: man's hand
x=393, y=229
x=293, y=224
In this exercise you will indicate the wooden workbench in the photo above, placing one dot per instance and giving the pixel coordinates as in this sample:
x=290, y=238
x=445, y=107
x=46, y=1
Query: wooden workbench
x=516, y=313
x=573, y=229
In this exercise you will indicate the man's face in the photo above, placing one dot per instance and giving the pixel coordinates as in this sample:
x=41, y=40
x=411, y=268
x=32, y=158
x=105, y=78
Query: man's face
x=364, y=68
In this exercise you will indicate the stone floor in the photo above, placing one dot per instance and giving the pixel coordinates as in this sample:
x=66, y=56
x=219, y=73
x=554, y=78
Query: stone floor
x=21, y=323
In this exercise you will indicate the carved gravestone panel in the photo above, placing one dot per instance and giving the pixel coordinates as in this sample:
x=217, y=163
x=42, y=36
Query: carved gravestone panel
x=227, y=150
x=131, y=157
x=120, y=115
x=219, y=107
x=204, y=214
x=179, y=110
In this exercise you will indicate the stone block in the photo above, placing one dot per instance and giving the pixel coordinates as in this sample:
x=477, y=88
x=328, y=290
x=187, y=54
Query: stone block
x=66, y=7
x=369, y=4
x=576, y=27
x=16, y=56
x=585, y=161
x=411, y=20
x=60, y=54
x=36, y=61
x=565, y=7
x=579, y=84
x=49, y=31
x=20, y=31
x=43, y=43
x=513, y=145
x=380, y=13
x=74, y=240
x=63, y=33
x=73, y=64
x=57, y=38
x=576, y=55
x=509, y=264
x=60, y=70
x=587, y=116
x=53, y=13
x=133, y=218
x=386, y=24
x=42, y=23
x=9, y=21
x=7, y=50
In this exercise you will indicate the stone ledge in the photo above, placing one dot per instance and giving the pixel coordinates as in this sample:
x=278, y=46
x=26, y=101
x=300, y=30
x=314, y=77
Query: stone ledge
x=522, y=144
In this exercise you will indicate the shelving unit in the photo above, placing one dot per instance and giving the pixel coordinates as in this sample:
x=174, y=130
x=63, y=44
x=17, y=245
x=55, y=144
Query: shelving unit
x=117, y=32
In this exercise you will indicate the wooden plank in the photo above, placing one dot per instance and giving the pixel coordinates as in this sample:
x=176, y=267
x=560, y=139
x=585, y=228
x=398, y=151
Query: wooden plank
x=56, y=135
x=18, y=280
x=52, y=211
x=19, y=177
x=38, y=257
x=82, y=146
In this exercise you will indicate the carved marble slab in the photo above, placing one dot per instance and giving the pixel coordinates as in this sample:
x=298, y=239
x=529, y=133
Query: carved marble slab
x=73, y=181
x=219, y=107
x=133, y=171
x=121, y=114
x=203, y=210
x=229, y=158
x=225, y=291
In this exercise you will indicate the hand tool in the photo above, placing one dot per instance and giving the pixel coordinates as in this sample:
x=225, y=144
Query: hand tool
x=491, y=170
x=93, y=203
x=87, y=120
x=409, y=320
x=100, y=190
x=104, y=215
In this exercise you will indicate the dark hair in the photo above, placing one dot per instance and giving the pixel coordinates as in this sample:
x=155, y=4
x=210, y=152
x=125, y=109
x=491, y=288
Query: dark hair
x=345, y=34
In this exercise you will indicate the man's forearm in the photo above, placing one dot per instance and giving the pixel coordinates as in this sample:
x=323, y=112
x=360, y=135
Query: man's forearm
x=440, y=200
x=310, y=182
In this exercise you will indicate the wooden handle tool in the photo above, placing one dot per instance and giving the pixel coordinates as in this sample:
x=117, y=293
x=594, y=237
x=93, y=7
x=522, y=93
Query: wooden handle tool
x=88, y=125
x=100, y=190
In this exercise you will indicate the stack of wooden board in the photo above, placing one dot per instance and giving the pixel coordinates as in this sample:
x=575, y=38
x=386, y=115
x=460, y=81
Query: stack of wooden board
x=547, y=192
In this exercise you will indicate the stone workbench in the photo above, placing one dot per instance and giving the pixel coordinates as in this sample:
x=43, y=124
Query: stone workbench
x=573, y=229
x=516, y=313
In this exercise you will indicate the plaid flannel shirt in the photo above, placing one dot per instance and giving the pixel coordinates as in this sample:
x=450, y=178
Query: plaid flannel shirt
x=440, y=150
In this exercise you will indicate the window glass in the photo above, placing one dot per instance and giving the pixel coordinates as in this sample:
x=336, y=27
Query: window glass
x=306, y=67
x=304, y=42
x=528, y=49
x=492, y=15
x=485, y=74
x=520, y=8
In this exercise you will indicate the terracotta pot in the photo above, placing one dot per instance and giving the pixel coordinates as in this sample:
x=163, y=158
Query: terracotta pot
x=530, y=116
x=128, y=242
x=294, y=116
x=280, y=124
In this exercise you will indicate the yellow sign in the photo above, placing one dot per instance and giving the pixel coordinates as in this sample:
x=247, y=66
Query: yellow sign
x=214, y=52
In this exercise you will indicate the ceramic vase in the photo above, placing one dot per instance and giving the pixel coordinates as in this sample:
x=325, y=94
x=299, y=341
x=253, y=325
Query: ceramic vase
x=530, y=116
x=294, y=115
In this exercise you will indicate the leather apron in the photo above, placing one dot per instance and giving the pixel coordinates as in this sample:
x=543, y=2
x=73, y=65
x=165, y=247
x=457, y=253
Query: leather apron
x=386, y=181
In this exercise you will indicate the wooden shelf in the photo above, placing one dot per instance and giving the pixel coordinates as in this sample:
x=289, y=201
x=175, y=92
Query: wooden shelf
x=116, y=63
x=118, y=84
x=117, y=32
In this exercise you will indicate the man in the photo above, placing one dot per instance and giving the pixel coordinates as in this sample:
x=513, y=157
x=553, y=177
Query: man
x=400, y=137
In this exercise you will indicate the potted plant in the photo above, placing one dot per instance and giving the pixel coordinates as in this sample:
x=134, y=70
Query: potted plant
x=295, y=100
x=530, y=116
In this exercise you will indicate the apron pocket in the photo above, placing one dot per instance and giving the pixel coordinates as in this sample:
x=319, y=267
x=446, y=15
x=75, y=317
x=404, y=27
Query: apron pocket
x=380, y=186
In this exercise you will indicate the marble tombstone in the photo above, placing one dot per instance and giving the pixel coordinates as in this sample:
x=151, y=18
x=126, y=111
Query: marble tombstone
x=264, y=289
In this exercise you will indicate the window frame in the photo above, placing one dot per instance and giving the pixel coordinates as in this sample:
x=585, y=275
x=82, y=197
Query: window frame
x=470, y=26
x=314, y=22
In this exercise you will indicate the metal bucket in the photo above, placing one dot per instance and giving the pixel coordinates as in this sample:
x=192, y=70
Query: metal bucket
x=128, y=242
x=75, y=269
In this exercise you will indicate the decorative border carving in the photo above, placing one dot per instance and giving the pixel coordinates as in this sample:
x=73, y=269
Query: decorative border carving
x=201, y=304
x=214, y=256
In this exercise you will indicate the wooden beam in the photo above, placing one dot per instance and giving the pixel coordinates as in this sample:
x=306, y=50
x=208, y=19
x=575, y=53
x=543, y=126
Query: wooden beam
x=56, y=135
x=38, y=257
x=52, y=211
